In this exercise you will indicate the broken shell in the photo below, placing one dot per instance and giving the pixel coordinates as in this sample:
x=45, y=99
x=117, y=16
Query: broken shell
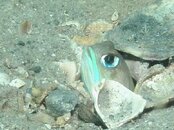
x=114, y=17
x=18, y=83
x=117, y=105
x=157, y=87
x=114, y=105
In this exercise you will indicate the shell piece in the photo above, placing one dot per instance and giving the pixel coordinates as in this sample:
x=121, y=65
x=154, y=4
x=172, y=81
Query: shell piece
x=147, y=33
x=18, y=83
x=117, y=105
x=157, y=88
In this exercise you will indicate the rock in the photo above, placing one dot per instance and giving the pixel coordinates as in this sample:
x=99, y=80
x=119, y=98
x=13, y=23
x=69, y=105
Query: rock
x=137, y=68
x=157, y=86
x=21, y=43
x=22, y=72
x=36, y=69
x=26, y=27
x=18, y=83
x=4, y=79
x=61, y=101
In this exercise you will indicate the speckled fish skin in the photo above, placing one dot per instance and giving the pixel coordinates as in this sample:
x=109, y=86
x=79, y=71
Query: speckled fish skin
x=93, y=71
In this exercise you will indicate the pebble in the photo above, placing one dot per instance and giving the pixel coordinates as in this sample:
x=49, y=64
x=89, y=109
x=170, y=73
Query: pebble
x=36, y=69
x=61, y=101
x=21, y=43
x=4, y=79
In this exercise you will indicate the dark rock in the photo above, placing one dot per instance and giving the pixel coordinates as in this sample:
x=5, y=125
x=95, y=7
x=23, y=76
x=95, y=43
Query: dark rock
x=21, y=43
x=36, y=69
x=61, y=101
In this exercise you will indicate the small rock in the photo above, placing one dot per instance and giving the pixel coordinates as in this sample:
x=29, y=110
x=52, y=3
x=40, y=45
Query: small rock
x=21, y=43
x=137, y=68
x=36, y=69
x=36, y=92
x=4, y=79
x=156, y=86
x=22, y=71
x=60, y=102
x=18, y=83
x=25, y=27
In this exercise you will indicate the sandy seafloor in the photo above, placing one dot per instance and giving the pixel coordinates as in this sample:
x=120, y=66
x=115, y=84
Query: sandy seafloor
x=47, y=43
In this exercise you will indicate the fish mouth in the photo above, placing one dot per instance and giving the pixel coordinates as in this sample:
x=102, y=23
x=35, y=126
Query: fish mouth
x=90, y=73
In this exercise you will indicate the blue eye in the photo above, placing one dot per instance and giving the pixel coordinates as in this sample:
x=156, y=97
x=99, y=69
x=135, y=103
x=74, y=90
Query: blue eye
x=110, y=61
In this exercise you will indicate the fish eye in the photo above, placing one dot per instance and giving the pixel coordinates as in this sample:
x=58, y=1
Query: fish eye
x=110, y=60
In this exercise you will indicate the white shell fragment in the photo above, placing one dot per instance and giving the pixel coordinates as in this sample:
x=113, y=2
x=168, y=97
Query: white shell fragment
x=114, y=16
x=117, y=105
x=157, y=89
x=18, y=83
